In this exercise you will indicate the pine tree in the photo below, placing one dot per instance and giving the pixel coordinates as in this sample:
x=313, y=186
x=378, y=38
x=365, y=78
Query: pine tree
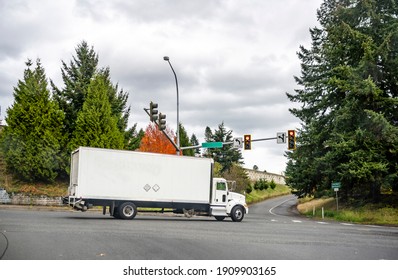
x=227, y=155
x=77, y=77
x=184, y=142
x=349, y=100
x=31, y=142
x=96, y=126
x=195, y=142
x=134, y=138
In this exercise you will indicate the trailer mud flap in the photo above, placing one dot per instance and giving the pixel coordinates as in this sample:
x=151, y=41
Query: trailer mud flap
x=112, y=208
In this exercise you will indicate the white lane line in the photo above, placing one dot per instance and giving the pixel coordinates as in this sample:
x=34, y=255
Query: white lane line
x=296, y=221
x=323, y=223
x=272, y=213
x=346, y=224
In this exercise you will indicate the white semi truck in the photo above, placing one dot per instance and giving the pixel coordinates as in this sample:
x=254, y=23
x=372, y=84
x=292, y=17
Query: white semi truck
x=126, y=182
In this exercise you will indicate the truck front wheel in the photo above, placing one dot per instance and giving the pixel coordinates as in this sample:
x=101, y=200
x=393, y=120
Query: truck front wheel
x=127, y=211
x=237, y=213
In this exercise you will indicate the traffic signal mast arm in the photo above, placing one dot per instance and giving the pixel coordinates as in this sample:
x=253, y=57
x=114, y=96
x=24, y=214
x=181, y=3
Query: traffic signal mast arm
x=253, y=140
x=164, y=132
x=227, y=143
x=264, y=139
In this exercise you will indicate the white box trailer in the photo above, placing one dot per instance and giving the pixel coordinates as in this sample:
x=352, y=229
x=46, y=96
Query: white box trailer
x=125, y=181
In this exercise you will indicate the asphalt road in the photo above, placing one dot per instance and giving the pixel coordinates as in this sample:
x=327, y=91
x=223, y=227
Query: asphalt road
x=272, y=230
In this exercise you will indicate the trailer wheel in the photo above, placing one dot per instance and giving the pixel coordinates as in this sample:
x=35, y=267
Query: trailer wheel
x=127, y=211
x=237, y=213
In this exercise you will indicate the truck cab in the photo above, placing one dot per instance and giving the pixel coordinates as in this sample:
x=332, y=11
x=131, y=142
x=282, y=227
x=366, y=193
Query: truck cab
x=225, y=203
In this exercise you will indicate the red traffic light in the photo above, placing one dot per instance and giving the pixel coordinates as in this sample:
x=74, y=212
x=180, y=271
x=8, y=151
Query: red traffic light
x=247, y=142
x=291, y=139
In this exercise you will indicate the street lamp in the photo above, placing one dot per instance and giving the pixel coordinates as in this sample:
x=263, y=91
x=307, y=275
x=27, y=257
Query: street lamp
x=166, y=58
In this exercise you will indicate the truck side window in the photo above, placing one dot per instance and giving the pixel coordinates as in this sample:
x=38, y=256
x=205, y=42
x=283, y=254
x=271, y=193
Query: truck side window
x=221, y=186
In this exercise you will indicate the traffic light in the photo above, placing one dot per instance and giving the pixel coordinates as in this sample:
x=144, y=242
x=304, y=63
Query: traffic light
x=291, y=139
x=162, y=121
x=247, y=142
x=153, y=111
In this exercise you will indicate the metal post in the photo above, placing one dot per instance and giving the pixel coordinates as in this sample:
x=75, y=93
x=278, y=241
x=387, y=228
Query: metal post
x=166, y=58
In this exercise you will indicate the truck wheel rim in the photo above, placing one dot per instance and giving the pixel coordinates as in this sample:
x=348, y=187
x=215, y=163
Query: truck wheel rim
x=128, y=211
x=238, y=214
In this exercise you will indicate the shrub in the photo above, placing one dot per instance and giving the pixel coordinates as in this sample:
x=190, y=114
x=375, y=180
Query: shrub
x=272, y=184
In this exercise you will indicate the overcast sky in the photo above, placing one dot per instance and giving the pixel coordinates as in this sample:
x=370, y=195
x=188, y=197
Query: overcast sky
x=234, y=59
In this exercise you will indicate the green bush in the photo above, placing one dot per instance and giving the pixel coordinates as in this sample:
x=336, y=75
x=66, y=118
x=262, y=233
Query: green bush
x=272, y=184
x=261, y=185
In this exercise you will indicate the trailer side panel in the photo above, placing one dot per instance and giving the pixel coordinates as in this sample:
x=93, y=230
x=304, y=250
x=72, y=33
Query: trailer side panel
x=124, y=175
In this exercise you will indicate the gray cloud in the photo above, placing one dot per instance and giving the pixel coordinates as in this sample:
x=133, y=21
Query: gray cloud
x=234, y=59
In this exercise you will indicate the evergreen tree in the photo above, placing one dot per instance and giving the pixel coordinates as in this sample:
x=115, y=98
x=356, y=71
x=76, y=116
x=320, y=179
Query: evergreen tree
x=96, y=125
x=77, y=77
x=227, y=155
x=31, y=142
x=134, y=138
x=184, y=142
x=349, y=101
x=208, y=138
x=118, y=99
x=195, y=142
x=208, y=134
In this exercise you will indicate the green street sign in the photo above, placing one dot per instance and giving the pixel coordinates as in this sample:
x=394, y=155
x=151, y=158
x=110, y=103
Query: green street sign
x=212, y=145
x=336, y=185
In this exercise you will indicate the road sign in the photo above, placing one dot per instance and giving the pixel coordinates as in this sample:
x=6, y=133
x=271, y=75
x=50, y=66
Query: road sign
x=212, y=145
x=336, y=187
x=281, y=137
x=238, y=142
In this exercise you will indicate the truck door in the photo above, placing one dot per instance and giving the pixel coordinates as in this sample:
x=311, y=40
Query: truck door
x=221, y=193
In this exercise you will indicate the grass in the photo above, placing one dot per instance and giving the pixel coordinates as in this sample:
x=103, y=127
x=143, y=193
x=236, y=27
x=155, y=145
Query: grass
x=55, y=189
x=257, y=195
x=366, y=214
x=51, y=190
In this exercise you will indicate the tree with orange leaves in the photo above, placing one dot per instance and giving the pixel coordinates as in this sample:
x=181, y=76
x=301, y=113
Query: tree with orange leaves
x=155, y=141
